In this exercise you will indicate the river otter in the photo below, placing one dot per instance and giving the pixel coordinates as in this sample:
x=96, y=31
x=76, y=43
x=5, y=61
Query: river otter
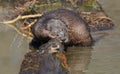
x=64, y=25
x=49, y=59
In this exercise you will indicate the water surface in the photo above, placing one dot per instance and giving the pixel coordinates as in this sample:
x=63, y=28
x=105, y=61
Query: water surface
x=103, y=58
x=106, y=53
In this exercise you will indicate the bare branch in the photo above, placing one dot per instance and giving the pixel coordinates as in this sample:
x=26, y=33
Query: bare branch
x=26, y=27
x=21, y=17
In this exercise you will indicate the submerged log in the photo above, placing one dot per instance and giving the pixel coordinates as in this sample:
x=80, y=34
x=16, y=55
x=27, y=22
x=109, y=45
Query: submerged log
x=49, y=59
x=36, y=63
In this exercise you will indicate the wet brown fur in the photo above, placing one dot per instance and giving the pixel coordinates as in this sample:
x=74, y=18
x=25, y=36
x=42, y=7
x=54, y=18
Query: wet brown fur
x=76, y=27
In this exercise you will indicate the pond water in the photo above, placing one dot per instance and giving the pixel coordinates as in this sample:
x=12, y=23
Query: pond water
x=103, y=58
x=12, y=46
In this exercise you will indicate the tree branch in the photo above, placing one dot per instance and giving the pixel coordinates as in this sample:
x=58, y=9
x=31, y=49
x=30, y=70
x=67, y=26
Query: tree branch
x=21, y=17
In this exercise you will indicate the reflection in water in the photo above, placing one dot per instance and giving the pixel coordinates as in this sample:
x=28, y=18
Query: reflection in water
x=105, y=55
x=78, y=59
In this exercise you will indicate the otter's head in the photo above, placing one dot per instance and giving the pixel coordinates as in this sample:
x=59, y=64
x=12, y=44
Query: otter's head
x=40, y=31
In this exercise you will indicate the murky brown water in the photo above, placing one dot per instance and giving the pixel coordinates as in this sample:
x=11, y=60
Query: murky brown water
x=106, y=53
x=103, y=58
x=11, y=51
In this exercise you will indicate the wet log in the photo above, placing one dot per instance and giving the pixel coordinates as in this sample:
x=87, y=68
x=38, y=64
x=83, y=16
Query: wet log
x=36, y=63
x=49, y=59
